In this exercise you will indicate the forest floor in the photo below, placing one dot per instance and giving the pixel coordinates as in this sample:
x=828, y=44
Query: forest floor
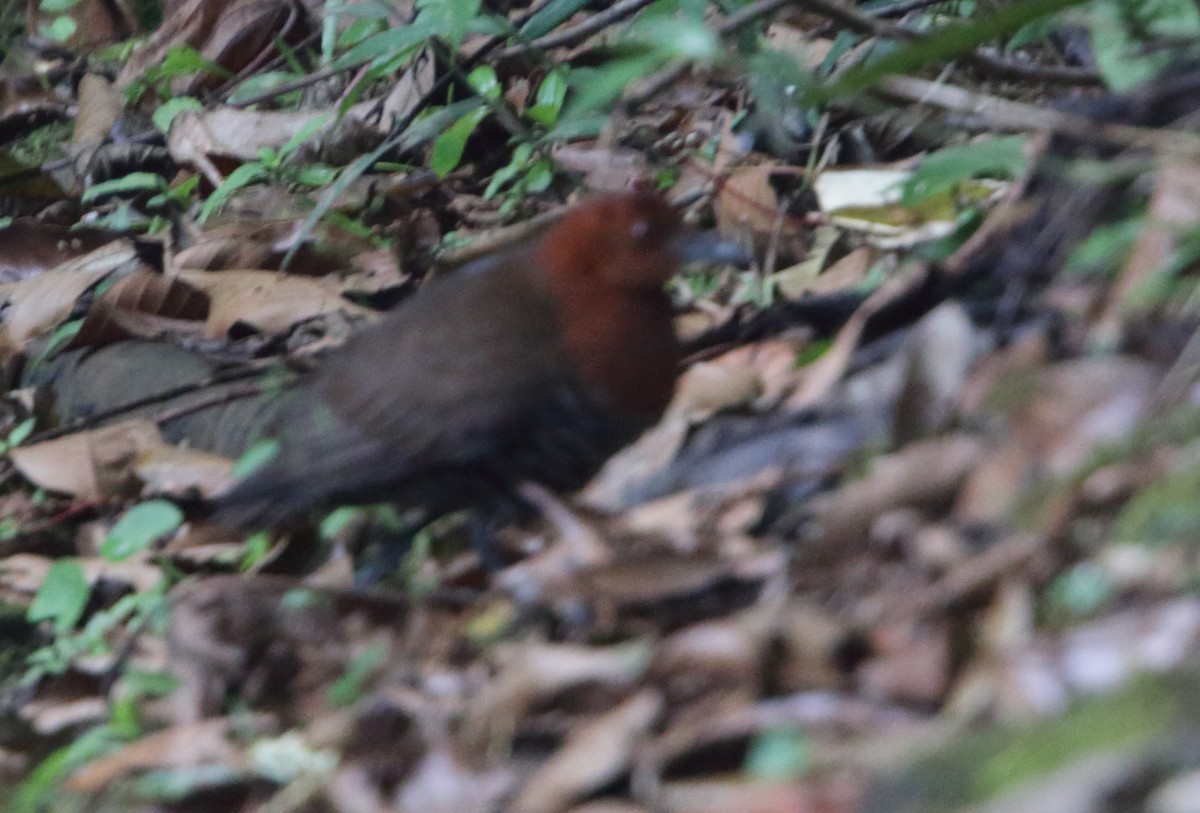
x=917, y=532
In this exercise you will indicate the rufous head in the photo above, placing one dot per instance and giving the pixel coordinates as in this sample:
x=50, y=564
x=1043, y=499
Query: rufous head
x=624, y=240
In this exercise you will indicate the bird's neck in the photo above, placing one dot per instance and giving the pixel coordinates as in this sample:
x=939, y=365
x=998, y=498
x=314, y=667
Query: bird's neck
x=622, y=345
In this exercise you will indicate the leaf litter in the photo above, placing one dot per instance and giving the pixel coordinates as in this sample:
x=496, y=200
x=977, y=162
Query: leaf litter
x=916, y=532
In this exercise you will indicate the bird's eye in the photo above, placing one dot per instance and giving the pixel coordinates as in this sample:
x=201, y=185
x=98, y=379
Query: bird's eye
x=640, y=230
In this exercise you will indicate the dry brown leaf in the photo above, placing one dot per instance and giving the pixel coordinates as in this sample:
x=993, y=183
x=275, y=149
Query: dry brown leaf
x=604, y=168
x=227, y=132
x=233, y=34
x=923, y=473
x=178, y=471
x=594, y=754
x=267, y=301
x=93, y=465
x=823, y=374
x=100, y=105
x=533, y=671
x=39, y=304
x=748, y=207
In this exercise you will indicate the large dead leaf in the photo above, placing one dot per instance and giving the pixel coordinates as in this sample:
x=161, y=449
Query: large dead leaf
x=594, y=754
x=39, y=304
x=93, y=465
x=267, y=301
x=145, y=305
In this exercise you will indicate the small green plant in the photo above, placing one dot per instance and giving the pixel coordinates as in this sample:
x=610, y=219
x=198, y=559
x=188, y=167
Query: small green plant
x=139, y=528
x=273, y=166
x=18, y=435
x=62, y=27
x=182, y=60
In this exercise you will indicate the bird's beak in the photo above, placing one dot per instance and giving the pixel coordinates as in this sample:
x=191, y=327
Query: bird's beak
x=708, y=247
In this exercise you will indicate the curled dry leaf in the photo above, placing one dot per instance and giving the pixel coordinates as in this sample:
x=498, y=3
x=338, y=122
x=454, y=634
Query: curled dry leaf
x=593, y=755
x=605, y=168
x=39, y=304
x=145, y=305
x=93, y=465
x=267, y=301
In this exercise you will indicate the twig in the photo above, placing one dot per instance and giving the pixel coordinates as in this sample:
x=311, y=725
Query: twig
x=903, y=7
x=578, y=33
x=654, y=84
x=1002, y=114
x=79, y=424
x=216, y=399
x=863, y=22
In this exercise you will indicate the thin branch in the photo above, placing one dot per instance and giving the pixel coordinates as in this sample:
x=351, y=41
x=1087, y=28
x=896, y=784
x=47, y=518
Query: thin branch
x=578, y=33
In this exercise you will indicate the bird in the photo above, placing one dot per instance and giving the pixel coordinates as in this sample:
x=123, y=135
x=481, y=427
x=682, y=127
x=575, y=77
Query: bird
x=534, y=365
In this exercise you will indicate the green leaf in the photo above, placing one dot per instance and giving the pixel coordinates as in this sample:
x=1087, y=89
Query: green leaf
x=778, y=754
x=448, y=148
x=41, y=788
x=674, y=38
x=310, y=128
x=257, y=456
x=243, y=176
x=261, y=83
x=550, y=97
x=598, y=88
x=1035, y=31
x=184, y=60
x=448, y=19
x=1080, y=591
x=348, y=689
x=540, y=174
x=60, y=29
x=168, y=110
x=139, y=527
x=56, y=6
x=507, y=173
x=317, y=175
x=393, y=42
x=1119, y=29
x=62, y=596
x=1106, y=247
x=942, y=44
x=133, y=182
x=549, y=17
x=19, y=434
x=484, y=82
x=941, y=171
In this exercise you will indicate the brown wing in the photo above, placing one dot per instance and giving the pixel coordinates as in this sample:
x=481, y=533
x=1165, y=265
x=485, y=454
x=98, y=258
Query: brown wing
x=440, y=381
